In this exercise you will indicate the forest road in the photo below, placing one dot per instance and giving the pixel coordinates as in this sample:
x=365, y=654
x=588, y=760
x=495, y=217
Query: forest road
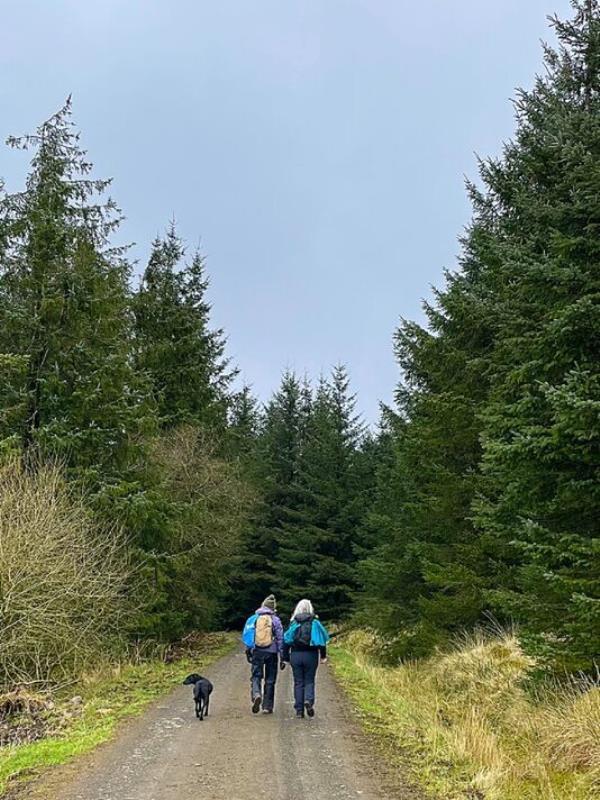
x=167, y=754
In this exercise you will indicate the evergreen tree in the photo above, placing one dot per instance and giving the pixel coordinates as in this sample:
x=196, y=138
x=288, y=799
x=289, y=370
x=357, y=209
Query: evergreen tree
x=244, y=424
x=490, y=501
x=70, y=390
x=201, y=493
x=318, y=539
x=278, y=456
x=175, y=344
x=425, y=575
x=542, y=495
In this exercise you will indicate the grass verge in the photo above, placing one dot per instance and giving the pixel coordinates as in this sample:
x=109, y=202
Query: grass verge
x=107, y=698
x=466, y=723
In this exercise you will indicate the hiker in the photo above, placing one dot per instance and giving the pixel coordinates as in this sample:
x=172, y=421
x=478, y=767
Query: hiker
x=263, y=637
x=305, y=642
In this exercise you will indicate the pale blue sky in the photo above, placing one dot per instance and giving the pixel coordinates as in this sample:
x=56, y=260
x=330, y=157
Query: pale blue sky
x=316, y=148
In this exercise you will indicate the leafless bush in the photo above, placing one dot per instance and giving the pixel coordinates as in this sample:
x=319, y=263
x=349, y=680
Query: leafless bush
x=62, y=580
x=213, y=502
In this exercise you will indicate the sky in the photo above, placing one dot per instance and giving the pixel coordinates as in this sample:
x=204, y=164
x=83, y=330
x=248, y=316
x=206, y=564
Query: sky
x=315, y=150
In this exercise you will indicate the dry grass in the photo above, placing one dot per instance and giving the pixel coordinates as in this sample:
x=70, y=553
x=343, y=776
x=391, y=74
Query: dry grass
x=472, y=726
x=63, y=580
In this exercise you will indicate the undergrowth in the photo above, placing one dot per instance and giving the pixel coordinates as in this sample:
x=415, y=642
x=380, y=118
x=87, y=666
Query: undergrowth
x=469, y=722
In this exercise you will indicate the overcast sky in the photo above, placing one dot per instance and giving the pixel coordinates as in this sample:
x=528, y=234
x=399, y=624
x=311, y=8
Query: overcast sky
x=315, y=148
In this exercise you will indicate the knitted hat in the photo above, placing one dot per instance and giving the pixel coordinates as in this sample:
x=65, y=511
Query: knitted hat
x=270, y=602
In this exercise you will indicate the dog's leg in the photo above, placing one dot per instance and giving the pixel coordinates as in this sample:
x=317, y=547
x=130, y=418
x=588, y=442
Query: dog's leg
x=206, y=706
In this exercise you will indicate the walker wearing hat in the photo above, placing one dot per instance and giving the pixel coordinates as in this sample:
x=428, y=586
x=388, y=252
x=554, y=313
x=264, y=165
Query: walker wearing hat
x=263, y=637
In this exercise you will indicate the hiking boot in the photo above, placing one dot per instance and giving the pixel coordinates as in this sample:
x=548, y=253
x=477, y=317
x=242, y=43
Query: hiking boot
x=299, y=714
x=267, y=710
x=310, y=709
x=256, y=704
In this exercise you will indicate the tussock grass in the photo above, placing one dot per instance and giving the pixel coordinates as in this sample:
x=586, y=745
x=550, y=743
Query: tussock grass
x=104, y=698
x=470, y=724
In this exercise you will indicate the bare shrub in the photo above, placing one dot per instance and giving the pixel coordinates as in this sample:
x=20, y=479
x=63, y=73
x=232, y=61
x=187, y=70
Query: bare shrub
x=209, y=505
x=62, y=580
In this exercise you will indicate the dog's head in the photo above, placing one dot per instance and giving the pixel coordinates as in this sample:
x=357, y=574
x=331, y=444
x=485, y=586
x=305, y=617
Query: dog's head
x=193, y=678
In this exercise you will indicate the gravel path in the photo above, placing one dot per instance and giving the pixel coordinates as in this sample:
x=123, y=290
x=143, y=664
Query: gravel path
x=167, y=754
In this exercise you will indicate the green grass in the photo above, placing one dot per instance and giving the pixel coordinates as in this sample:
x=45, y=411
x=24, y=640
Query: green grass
x=121, y=692
x=462, y=725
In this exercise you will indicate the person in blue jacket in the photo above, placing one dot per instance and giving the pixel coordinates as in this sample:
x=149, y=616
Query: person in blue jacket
x=263, y=637
x=305, y=644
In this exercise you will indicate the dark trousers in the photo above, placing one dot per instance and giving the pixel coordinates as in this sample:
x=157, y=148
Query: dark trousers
x=304, y=668
x=264, y=668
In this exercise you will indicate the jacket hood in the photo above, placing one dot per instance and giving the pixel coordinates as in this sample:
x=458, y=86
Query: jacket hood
x=264, y=610
x=303, y=617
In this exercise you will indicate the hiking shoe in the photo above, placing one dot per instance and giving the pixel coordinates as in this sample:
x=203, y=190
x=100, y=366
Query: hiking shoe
x=267, y=710
x=310, y=709
x=299, y=714
x=256, y=704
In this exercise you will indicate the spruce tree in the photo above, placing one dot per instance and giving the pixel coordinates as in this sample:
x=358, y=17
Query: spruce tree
x=71, y=391
x=279, y=449
x=542, y=497
x=490, y=502
x=318, y=539
x=244, y=423
x=425, y=575
x=175, y=344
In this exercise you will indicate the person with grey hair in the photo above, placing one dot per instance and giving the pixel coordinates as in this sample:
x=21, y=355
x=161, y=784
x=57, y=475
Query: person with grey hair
x=305, y=643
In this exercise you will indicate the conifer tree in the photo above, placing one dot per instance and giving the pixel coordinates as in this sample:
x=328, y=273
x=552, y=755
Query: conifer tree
x=425, y=574
x=490, y=502
x=244, y=424
x=174, y=342
x=542, y=497
x=279, y=449
x=71, y=391
x=318, y=539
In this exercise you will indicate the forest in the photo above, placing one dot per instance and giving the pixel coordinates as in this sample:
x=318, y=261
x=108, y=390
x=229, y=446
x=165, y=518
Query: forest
x=144, y=494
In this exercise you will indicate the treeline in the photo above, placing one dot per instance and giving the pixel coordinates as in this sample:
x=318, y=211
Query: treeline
x=476, y=497
x=314, y=469
x=487, y=499
x=126, y=392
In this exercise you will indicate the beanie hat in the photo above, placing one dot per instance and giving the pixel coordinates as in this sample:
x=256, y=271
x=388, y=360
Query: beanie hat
x=270, y=602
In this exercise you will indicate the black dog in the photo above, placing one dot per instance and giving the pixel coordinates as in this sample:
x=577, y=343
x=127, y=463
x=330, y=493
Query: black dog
x=202, y=689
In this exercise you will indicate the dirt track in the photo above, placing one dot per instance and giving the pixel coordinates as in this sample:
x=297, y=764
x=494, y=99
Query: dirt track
x=167, y=754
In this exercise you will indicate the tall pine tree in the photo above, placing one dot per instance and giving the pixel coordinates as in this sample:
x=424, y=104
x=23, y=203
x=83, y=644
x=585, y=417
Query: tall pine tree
x=318, y=539
x=490, y=502
x=70, y=390
x=541, y=437
x=425, y=575
x=175, y=344
x=279, y=450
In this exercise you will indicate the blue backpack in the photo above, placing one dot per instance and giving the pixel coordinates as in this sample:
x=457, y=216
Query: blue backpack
x=249, y=632
x=318, y=634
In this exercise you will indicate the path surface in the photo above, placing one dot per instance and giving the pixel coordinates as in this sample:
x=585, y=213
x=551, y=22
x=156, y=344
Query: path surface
x=167, y=754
